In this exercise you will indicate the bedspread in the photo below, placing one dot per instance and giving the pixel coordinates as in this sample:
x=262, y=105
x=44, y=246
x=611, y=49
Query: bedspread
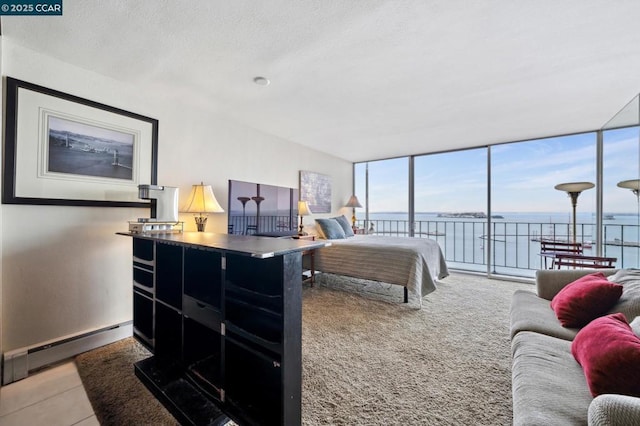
x=414, y=263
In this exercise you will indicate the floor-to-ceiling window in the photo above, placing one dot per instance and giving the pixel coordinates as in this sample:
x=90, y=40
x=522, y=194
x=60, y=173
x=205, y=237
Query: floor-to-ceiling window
x=498, y=229
x=528, y=208
x=621, y=221
x=451, y=204
x=386, y=195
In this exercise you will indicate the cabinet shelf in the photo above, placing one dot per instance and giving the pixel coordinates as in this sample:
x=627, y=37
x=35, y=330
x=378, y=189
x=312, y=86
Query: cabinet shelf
x=262, y=326
x=253, y=384
x=203, y=313
x=143, y=278
x=205, y=374
x=275, y=347
x=270, y=302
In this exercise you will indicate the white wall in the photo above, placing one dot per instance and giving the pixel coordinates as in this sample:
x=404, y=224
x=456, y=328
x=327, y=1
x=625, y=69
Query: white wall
x=64, y=270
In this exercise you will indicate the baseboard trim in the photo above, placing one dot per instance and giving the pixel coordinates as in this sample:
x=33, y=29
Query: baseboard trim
x=18, y=363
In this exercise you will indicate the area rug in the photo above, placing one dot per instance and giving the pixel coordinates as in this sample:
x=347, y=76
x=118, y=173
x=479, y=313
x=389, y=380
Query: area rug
x=116, y=394
x=368, y=359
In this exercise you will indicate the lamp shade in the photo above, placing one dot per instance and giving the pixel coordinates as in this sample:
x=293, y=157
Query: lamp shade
x=353, y=202
x=574, y=186
x=633, y=184
x=303, y=208
x=202, y=200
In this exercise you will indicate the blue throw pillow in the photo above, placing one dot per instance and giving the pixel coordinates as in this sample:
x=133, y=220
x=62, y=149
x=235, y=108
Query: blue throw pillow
x=346, y=226
x=331, y=229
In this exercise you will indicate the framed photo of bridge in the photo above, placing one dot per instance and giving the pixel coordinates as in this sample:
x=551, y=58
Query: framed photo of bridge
x=61, y=149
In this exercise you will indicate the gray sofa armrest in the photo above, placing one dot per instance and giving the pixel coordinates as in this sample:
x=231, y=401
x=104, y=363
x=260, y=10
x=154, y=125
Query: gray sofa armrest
x=550, y=281
x=614, y=410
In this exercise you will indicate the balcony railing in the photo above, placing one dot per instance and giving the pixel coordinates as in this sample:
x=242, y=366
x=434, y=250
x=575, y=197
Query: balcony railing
x=251, y=224
x=515, y=246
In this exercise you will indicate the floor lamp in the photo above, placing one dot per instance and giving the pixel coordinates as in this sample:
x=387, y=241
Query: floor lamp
x=574, y=189
x=244, y=201
x=634, y=186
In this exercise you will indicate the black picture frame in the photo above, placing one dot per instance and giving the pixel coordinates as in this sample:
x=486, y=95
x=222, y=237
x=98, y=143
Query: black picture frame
x=28, y=150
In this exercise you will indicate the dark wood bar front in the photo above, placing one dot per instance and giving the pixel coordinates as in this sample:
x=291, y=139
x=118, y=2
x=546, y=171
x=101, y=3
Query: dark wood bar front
x=222, y=315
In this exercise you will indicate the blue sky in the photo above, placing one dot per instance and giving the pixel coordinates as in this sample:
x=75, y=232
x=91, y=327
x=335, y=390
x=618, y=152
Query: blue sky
x=524, y=175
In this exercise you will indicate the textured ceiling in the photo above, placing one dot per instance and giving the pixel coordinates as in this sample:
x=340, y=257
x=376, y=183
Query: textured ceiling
x=365, y=79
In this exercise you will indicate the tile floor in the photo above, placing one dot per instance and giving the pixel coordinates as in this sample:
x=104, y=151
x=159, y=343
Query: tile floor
x=52, y=397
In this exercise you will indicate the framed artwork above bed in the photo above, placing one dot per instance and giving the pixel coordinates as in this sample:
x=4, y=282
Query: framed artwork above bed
x=315, y=188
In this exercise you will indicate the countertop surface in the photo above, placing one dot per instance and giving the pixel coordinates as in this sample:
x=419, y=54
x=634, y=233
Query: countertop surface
x=260, y=247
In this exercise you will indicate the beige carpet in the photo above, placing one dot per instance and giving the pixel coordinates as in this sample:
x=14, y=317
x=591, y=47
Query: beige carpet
x=371, y=362
x=367, y=358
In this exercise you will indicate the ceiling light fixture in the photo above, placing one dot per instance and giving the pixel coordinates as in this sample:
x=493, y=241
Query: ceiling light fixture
x=261, y=81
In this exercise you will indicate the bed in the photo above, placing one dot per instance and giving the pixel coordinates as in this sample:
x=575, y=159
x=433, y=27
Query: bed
x=414, y=263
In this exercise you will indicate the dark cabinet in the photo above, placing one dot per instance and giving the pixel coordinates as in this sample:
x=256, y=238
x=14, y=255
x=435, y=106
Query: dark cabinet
x=143, y=317
x=168, y=332
x=143, y=291
x=228, y=322
x=169, y=274
x=203, y=277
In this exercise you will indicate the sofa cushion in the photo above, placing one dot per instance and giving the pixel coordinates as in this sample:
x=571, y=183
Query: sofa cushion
x=532, y=313
x=548, y=385
x=609, y=353
x=550, y=281
x=585, y=299
x=612, y=410
x=629, y=303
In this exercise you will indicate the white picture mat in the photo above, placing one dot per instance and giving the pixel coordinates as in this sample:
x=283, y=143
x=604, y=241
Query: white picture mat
x=31, y=142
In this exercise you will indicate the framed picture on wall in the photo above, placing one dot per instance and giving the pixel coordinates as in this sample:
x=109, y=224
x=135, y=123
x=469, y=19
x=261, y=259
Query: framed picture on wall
x=61, y=149
x=315, y=188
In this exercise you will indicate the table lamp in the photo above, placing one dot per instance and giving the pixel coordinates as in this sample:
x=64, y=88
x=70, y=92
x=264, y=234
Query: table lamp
x=202, y=201
x=303, y=210
x=353, y=203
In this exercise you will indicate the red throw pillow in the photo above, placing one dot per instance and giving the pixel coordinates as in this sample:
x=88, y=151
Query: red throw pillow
x=609, y=353
x=585, y=299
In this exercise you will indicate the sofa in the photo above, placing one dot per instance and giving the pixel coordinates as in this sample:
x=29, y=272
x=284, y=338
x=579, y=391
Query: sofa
x=549, y=385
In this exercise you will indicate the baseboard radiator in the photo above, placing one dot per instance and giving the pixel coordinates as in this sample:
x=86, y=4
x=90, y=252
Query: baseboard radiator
x=18, y=363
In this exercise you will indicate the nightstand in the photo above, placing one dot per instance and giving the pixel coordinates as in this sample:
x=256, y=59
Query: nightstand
x=311, y=253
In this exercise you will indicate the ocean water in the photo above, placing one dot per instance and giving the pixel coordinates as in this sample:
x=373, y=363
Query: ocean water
x=514, y=241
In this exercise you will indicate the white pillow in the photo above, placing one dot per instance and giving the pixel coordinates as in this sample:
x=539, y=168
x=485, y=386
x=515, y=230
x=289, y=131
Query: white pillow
x=629, y=274
x=629, y=302
x=312, y=230
x=635, y=326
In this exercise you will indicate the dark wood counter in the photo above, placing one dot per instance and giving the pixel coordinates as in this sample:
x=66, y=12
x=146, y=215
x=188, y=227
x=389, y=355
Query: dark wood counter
x=259, y=247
